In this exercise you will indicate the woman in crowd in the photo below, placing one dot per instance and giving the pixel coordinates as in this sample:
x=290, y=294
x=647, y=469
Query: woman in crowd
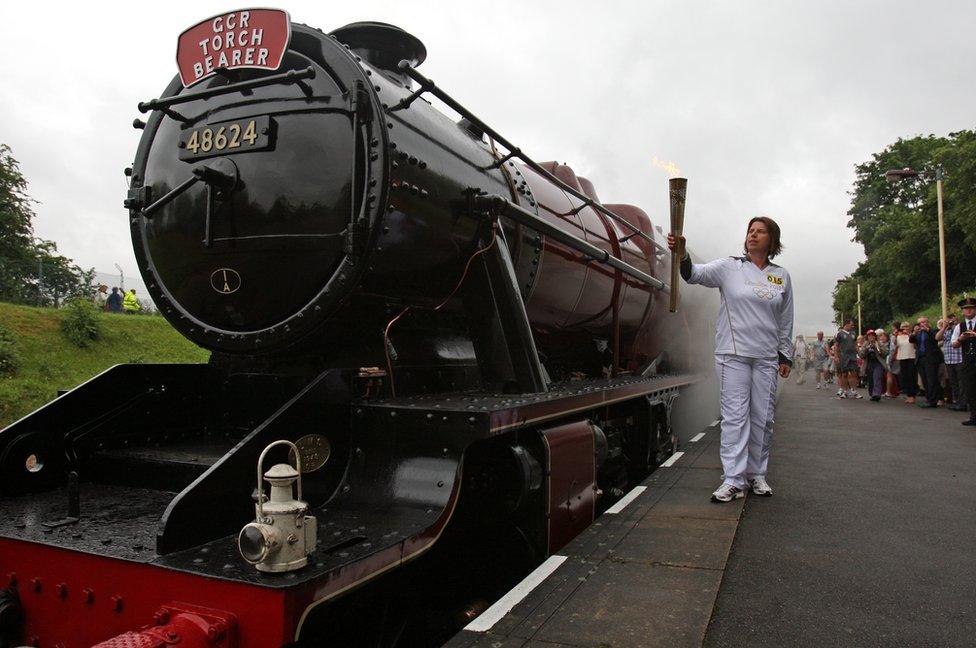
x=752, y=344
x=891, y=377
x=874, y=357
x=905, y=355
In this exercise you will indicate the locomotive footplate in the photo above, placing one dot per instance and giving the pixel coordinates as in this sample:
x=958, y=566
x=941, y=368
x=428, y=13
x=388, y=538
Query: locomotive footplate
x=134, y=514
x=404, y=477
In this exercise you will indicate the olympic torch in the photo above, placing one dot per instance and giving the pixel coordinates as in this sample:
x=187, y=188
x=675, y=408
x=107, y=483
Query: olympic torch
x=679, y=189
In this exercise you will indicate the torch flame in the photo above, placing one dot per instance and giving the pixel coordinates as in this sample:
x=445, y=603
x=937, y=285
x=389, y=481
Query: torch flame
x=671, y=167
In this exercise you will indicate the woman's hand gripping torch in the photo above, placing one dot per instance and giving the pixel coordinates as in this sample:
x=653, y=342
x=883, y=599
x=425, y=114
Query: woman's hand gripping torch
x=679, y=189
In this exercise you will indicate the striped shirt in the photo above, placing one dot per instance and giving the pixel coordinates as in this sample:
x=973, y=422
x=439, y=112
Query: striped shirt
x=952, y=356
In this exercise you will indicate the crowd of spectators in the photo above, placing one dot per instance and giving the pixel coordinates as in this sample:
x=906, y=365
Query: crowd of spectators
x=119, y=301
x=915, y=362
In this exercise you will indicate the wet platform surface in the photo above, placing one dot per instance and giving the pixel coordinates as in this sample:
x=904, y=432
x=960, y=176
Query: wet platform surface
x=870, y=537
x=646, y=576
x=869, y=540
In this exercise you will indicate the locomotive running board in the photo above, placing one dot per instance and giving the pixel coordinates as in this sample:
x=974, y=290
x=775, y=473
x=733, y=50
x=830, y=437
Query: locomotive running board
x=493, y=414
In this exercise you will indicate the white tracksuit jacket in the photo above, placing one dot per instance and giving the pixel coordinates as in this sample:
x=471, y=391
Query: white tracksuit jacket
x=755, y=319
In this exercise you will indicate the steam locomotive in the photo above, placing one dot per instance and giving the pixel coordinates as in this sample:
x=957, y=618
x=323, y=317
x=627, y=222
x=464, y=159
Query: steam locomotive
x=466, y=354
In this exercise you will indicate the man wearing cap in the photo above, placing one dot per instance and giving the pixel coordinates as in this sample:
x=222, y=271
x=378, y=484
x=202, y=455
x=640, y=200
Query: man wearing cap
x=964, y=338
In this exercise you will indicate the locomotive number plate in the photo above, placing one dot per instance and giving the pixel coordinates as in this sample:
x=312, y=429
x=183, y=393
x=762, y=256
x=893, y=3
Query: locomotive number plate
x=224, y=138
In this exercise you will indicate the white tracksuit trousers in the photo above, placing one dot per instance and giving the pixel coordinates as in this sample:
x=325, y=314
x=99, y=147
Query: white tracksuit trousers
x=747, y=388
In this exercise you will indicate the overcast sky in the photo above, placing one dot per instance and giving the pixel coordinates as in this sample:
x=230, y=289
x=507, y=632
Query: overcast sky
x=765, y=106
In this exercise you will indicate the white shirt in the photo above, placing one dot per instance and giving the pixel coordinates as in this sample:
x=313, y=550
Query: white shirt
x=755, y=319
x=958, y=329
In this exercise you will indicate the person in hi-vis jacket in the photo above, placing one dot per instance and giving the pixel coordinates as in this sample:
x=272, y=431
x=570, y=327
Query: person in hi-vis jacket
x=753, y=334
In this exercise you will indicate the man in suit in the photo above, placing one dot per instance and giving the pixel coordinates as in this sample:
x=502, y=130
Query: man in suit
x=964, y=337
x=928, y=358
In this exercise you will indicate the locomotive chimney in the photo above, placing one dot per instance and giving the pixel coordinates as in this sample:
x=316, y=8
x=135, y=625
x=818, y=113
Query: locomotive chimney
x=383, y=46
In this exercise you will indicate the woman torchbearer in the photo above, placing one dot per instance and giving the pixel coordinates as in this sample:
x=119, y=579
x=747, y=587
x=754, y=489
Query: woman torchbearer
x=752, y=344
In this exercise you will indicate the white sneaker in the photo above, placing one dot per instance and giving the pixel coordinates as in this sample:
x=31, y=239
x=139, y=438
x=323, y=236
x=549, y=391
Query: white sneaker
x=819, y=386
x=760, y=487
x=727, y=493
x=841, y=394
x=854, y=394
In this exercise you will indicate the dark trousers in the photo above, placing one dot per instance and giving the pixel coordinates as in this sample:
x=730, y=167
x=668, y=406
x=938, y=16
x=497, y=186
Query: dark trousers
x=908, y=377
x=928, y=367
x=967, y=374
x=955, y=382
x=876, y=379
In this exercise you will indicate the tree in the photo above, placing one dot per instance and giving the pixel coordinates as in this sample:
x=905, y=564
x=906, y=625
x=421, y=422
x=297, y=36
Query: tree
x=31, y=270
x=16, y=233
x=897, y=225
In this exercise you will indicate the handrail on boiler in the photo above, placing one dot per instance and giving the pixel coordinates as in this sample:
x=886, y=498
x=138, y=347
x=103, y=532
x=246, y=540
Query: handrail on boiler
x=496, y=205
x=427, y=85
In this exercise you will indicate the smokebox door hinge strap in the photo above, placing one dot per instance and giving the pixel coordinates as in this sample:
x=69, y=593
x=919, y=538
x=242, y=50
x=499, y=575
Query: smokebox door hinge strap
x=138, y=197
x=360, y=104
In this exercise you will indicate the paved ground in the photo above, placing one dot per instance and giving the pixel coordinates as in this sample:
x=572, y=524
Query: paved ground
x=870, y=538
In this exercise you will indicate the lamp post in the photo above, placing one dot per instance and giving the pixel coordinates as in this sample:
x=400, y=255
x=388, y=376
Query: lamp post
x=897, y=175
x=857, y=303
x=121, y=277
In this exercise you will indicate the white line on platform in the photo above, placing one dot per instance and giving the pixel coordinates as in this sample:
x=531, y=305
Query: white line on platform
x=625, y=500
x=715, y=422
x=672, y=459
x=697, y=437
x=502, y=606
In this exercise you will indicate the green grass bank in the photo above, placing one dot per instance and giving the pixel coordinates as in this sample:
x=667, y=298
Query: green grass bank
x=48, y=362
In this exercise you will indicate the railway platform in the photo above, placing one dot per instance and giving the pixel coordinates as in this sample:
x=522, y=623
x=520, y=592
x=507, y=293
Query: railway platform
x=867, y=541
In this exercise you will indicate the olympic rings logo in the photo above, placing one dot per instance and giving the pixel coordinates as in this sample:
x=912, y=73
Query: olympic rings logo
x=763, y=293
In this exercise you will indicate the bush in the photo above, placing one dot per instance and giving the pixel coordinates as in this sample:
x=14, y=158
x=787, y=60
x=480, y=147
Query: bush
x=9, y=351
x=80, y=323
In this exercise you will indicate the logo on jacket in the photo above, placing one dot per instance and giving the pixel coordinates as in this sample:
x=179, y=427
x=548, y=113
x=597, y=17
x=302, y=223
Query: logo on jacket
x=776, y=280
x=225, y=281
x=763, y=292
